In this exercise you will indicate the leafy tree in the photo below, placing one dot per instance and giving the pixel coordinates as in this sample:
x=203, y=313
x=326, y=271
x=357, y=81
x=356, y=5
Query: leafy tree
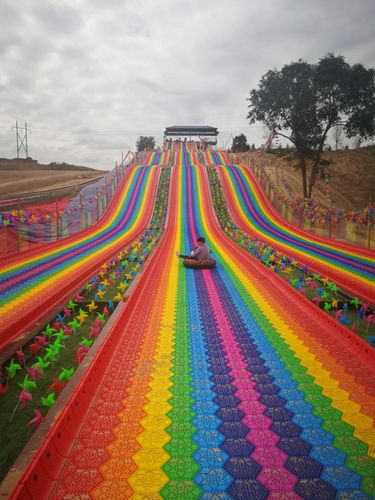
x=302, y=102
x=145, y=143
x=239, y=144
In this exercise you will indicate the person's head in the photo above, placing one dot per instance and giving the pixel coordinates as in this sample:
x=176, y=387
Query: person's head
x=201, y=240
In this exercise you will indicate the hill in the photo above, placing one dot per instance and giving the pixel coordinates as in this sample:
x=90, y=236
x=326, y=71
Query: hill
x=350, y=177
x=20, y=176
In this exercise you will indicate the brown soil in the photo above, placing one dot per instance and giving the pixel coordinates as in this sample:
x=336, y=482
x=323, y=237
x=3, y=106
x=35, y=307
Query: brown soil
x=20, y=176
x=350, y=181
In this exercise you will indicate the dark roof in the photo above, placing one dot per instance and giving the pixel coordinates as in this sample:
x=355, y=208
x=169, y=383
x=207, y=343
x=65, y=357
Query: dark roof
x=190, y=130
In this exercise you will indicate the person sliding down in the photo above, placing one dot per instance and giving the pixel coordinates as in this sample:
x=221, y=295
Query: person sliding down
x=199, y=258
x=201, y=251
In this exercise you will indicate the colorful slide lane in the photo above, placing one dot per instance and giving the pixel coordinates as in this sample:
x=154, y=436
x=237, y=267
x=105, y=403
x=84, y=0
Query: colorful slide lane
x=350, y=267
x=32, y=283
x=214, y=384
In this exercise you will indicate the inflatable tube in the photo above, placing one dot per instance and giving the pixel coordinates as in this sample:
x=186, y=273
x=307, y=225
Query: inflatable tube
x=200, y=264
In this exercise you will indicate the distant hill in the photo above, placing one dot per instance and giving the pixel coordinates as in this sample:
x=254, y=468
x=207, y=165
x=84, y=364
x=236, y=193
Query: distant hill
x=19, y=176
x=350, y=177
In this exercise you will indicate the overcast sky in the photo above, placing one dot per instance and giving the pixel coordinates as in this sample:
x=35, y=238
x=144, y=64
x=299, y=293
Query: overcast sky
x=90, y=76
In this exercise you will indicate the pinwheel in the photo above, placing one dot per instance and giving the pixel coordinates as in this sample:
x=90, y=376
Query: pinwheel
x=49, y=400
x=74, y=324
x=41, y=364
x=41, y=339
x=61, y=336
x=66, y=374
x=27, y=384
x=35, y=348
x=86, y=342
x=51, y=354
x=34, y=373
x=101, y=317
x=92, y=306
x=71, y=305
x=56, y=386
x=49, y=331
x=24, y=398
x=37, y=419
x=12, y=369
x=67, y=312
x=94, y=331
x=20, y=356
x=356, y=302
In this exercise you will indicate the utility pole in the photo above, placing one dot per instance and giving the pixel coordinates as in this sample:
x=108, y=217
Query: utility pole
x=21, y=138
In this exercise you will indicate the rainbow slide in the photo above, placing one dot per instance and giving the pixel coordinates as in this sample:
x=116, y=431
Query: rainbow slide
x=350, y=267
x=33, y=282
x=223, y=383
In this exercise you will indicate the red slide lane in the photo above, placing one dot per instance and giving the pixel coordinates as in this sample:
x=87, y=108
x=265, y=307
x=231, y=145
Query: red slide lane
x=359, y=288
x=43, y=305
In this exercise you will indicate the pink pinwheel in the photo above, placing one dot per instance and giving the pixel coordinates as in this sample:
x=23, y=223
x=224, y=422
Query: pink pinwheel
x=370, y=320
x=79, y=298
x=20, y=356
x=94, y=331
x=81, y=353
x=317, y=300
x=41, y=339
x=97, y=322
x=338, y=314
x=24, y=397
x=34, y=372
x=105, y=311
x=36, y=420
x=364, y=307
x=67, y=330
x=67, y=312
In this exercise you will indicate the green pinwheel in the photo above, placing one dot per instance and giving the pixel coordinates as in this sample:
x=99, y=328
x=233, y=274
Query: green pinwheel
x=51, y=354
x=66, y=374
x=49, y=400
x=57, y=346
x=100, y=316
x=327, y=306
x=27, y=384
x=60, y=336
x=86, y=342
x=49, y=331
x=13, y=368
x=356, y=302
x=71, y=305
x=332, y=287
x=74, y=324
x=41, y=364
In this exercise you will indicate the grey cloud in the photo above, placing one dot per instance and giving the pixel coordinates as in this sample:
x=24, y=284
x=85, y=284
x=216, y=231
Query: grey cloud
x=89, y=77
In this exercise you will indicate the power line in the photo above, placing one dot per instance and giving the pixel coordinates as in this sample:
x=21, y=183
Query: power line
x=21, y=138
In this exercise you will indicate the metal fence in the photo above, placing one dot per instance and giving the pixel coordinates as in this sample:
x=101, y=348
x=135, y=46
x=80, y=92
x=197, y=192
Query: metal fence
x=22, y=229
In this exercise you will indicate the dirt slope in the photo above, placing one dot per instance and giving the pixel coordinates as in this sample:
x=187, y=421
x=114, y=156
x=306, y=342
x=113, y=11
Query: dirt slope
x=350, y=183
x=21, y=176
